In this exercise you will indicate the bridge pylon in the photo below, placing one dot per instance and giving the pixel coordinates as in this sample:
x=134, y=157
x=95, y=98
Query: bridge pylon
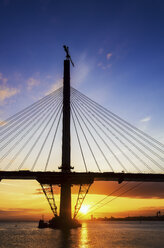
x=65, y=216
x=65, y=196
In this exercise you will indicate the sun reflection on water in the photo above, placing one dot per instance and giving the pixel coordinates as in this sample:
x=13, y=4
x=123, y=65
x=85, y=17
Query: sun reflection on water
x=83, y=240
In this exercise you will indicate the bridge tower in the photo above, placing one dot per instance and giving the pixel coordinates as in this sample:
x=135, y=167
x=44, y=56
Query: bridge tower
x=65, y=220
x=65, y=196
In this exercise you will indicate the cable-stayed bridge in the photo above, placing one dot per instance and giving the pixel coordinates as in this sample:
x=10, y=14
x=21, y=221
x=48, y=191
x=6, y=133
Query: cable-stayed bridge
x=66, y=138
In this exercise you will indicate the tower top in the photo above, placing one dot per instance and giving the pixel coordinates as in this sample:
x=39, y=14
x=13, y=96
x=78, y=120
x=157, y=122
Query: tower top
x=68, y=57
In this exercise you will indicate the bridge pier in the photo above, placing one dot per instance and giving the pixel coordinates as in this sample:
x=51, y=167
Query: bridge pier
x=65, y=193
x=65, y=203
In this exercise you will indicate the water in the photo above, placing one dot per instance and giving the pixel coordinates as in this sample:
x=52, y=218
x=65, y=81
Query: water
x=91, y=235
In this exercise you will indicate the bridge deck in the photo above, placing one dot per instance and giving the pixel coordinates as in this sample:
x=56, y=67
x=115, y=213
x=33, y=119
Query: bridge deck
x=79, y=177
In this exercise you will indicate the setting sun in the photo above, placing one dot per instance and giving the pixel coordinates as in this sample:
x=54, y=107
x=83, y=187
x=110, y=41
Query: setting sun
x=84, y=209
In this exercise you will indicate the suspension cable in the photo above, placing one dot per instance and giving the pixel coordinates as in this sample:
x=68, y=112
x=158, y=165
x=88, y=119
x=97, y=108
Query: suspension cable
x=24, y=121
x=144, y=153
x=28, y=123
x=94, y=139
x=104, y=143
x=104, y=198
x=109, y=112
x=122, y=129
x=48, y=158
x=79, y=142
x=24, y=114
x=35, y=131
x=86, y=140
x=38, y=138
x=32, y=168
x=28, y=130
x=111, y=140
x=123, y=193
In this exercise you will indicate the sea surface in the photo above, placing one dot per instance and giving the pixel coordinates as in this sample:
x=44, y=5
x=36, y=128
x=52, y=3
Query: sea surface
x=90, y=235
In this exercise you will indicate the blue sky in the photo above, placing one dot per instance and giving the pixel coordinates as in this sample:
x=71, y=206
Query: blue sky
x=117, y=48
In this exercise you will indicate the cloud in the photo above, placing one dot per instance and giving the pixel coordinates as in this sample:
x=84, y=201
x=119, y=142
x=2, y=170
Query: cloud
x=55, y=86
x=100, y=64
x=39, y=191
x=147, y=190
x=15, y=214
x=146, y=119
x=32, y=82
x=144, y=211
x=3, y=79
x=20, y=210
x=3, y=123
x=81, y=70
x=6, y=91
x=108, y=56
x=104, y=67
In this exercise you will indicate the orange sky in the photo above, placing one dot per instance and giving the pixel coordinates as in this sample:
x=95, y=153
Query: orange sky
x=20, y=200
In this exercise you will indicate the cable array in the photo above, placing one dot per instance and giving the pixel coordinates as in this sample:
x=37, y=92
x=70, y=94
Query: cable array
x=114, y=144
x=101, y=203
x=27, y=138
x=101, y=141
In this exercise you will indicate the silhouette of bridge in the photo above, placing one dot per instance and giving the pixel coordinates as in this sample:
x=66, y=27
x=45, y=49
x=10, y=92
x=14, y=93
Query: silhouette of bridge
x=68, y=139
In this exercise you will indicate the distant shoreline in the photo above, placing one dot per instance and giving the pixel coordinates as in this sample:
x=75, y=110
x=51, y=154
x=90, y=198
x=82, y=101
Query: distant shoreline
x=132, y=218
x=111, y=219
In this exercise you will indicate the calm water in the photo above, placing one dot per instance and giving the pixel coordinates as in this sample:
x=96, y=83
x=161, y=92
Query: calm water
x=97, y=235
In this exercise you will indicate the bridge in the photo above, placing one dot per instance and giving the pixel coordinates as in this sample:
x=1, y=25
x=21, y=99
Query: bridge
x=68, y=139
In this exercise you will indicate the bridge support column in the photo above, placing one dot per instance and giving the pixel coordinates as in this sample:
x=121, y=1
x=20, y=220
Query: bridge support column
x=65, y=196
x=65, y=203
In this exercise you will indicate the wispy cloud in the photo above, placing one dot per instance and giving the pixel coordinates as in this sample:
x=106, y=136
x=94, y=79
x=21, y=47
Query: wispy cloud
x=5, y=90
x=149, y=190
x=32, y=82
x=104, y=67
x=146, y=119
x=3, y=123
x=81, y=70
x=108, y=56
x=39, y=191
x=3, y=79
x=55, y=86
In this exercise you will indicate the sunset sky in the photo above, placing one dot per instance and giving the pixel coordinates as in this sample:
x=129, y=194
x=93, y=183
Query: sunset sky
x=117, y=49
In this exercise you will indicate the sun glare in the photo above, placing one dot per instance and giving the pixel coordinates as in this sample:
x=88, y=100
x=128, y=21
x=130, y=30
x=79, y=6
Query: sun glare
x=84, y=209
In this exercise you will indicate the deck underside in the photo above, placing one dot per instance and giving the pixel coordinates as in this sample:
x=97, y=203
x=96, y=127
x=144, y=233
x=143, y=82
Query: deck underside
x=79, y=177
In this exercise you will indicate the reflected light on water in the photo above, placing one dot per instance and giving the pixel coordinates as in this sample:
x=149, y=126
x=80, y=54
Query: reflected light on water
x=83, y=239
x=90, y=235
